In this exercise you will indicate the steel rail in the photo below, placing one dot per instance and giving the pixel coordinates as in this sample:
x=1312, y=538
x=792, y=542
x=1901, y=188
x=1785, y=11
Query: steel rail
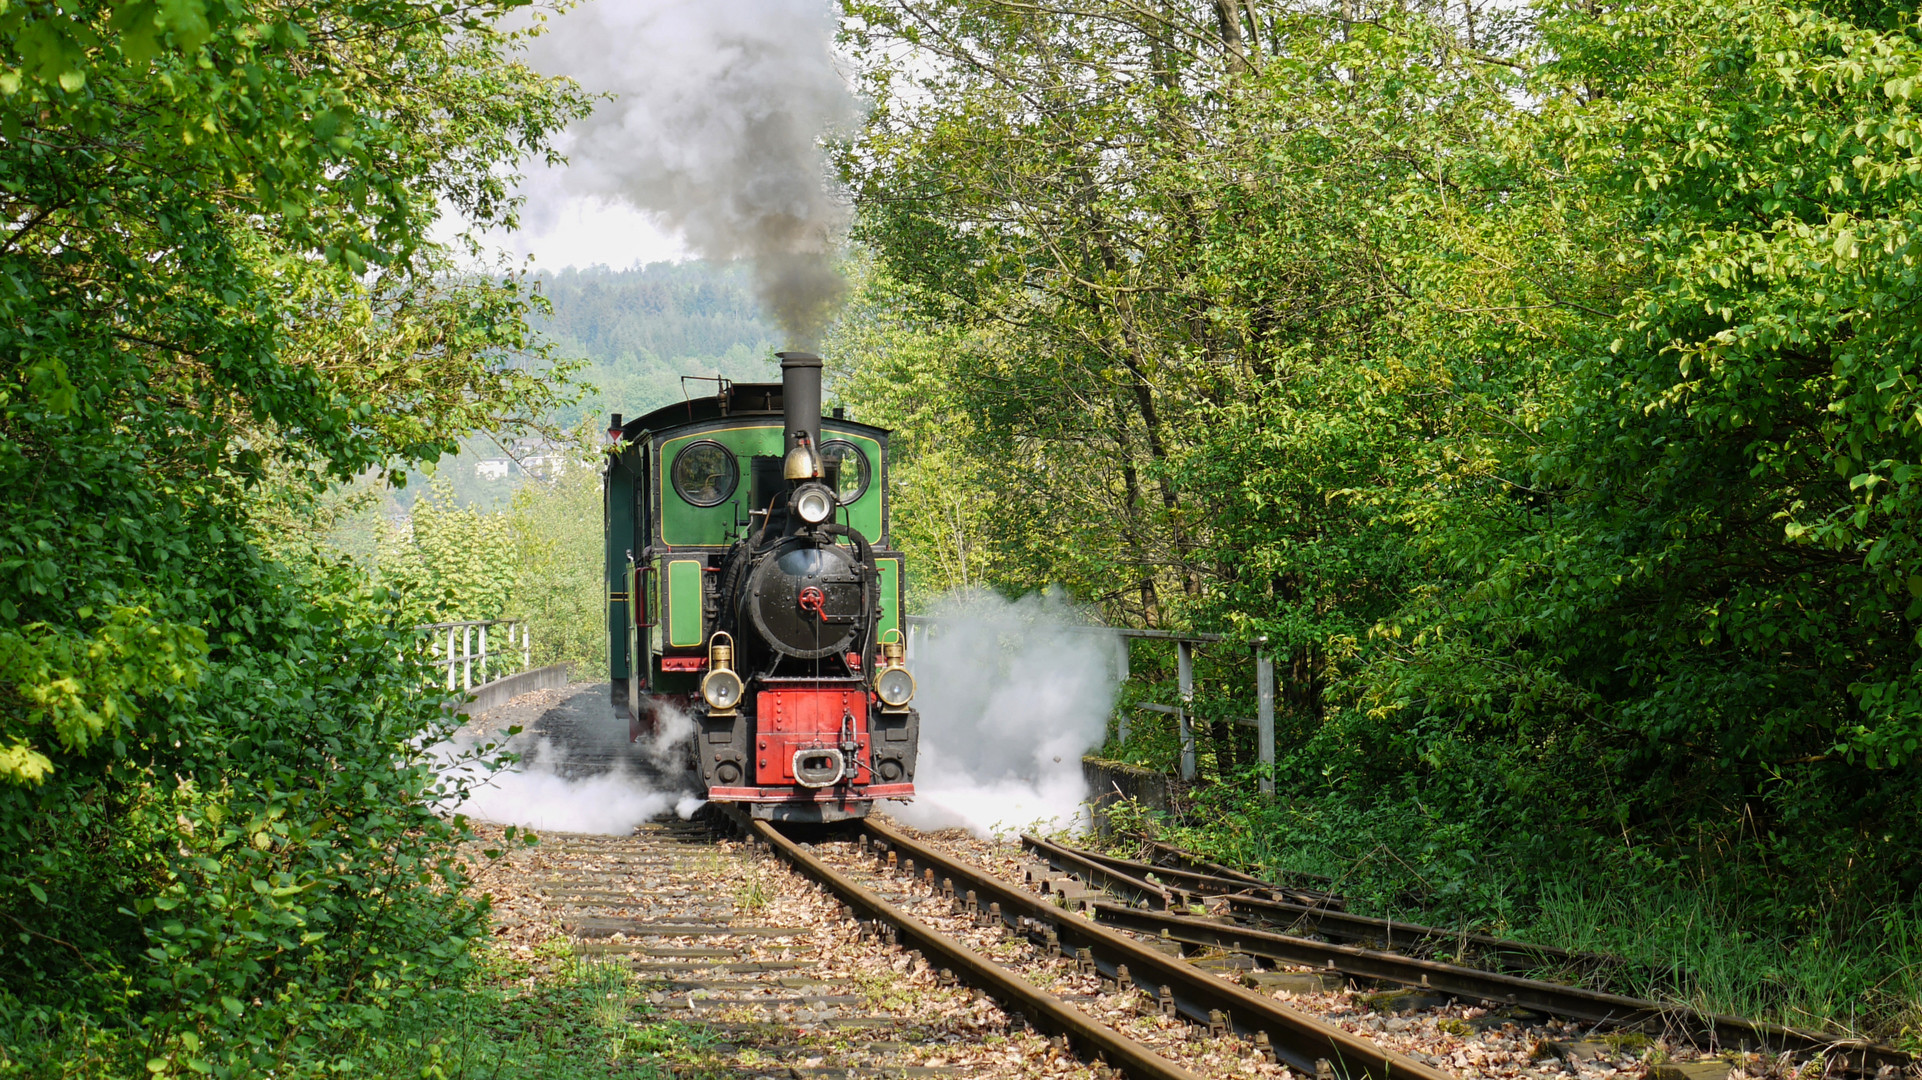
x=1189, y=881
x=1097, y=873
x=1299, y=1040
x=1455, y=981
x=1093, y=1038
x=1189, y=861
x=1344, y=926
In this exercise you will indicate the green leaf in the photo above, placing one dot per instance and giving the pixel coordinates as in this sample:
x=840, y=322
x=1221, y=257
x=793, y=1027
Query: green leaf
x=185, y=21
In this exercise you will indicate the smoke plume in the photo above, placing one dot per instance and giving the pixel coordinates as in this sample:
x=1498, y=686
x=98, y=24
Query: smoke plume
x=1012, y=694
x=718, y=107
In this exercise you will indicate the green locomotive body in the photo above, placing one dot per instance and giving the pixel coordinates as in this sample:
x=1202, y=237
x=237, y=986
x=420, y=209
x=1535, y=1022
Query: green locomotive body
x=751, y=585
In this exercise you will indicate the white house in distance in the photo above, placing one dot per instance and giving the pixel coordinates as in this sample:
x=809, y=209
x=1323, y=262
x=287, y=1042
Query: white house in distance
x=532, y=457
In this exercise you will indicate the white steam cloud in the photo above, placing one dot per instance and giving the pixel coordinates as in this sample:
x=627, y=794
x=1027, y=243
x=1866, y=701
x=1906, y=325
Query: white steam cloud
x=582, y=792
x=1012, y=694
x=714, y=127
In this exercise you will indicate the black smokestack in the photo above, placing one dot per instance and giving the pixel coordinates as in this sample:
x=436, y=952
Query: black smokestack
x=801, y=398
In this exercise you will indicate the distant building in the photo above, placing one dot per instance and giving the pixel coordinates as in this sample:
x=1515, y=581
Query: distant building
x=534, y=458
x=543, y=459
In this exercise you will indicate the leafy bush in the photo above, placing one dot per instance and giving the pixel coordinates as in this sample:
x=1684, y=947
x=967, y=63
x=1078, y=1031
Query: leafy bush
x=448, y=562
x=215, y=849
x=249, y=870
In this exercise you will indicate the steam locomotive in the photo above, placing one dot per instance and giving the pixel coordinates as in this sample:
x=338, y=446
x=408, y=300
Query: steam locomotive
x=752, y=587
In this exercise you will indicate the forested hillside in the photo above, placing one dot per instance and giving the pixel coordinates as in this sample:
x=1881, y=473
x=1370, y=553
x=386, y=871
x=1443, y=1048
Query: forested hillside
x=641, y=329
x=1542, y=384
x=634, y=333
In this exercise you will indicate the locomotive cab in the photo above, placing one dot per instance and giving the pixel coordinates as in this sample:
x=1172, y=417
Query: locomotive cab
x=752, y=587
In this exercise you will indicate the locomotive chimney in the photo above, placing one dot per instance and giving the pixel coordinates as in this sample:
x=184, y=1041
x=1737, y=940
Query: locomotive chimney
x=801, y=398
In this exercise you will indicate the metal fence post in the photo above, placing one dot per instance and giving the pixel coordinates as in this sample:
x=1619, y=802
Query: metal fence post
x=466, y=658
x=450, y=659
x=527, y=646
x=1185, y=672
x=484, y=655
x=1265, y=716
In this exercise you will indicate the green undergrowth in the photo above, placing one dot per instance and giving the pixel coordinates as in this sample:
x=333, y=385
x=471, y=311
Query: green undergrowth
x=551, y=1016
x=554, y=1016
x=1684, y=930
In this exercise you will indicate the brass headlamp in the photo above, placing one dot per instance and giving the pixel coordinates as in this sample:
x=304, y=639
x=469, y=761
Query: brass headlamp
x=721, y=688
x=893, y=682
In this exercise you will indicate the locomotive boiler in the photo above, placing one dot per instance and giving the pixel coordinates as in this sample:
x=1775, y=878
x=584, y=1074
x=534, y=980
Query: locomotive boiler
x=752, y=587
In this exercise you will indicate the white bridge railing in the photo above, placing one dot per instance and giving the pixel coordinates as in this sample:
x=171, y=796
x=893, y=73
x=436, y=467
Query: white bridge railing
x=476, y=650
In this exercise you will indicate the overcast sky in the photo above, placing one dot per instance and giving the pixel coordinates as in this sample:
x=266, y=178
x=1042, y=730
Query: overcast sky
x=561, y=229
x=704, y=143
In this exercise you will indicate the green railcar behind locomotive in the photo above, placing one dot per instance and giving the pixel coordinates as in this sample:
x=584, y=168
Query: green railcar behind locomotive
x=751, y=585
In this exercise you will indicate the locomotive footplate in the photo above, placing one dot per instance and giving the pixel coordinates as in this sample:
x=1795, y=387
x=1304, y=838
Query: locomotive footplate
x=819, y=805
x=825, y=795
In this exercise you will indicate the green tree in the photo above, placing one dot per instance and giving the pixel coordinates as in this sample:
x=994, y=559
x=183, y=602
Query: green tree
x=448, y=562
x=1539, y=386
x=216, y=847
x=560, y=587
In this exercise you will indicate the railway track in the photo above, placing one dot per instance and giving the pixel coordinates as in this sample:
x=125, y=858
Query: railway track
x=1220, y=909
x=763, y=973
x=878, y=972
x=872, y=951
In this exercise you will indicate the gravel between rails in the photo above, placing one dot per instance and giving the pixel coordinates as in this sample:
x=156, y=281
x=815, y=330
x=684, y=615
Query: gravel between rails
x=779, y=983
x=1130, y=1012
x=1461, y=1037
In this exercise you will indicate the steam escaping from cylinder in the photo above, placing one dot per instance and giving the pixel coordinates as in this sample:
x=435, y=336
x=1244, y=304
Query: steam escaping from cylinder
x=547, y=789
x=1012, y=693
x=714, y=126
x=573, y=772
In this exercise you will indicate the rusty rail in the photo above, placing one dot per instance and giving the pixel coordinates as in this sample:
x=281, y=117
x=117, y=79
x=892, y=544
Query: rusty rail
x=1096, y=871
x=1714, y=1030
x=1092, y=1038
x=1300, y=1040
x=1135, y=875
x=1188, y=860
x=1327, y=919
